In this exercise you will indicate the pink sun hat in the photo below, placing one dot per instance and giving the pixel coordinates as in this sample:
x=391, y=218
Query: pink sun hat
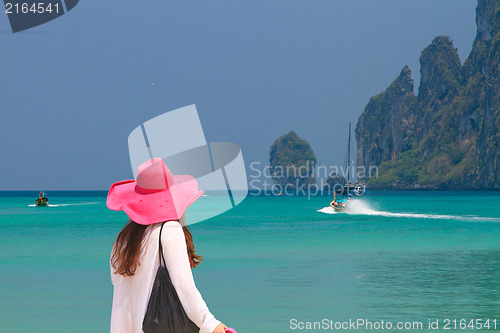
x=156, y=196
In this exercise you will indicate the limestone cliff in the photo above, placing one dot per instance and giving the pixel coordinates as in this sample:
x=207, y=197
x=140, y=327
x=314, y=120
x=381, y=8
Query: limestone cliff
x=292, y=162
x=387, y=125
x=448, y=136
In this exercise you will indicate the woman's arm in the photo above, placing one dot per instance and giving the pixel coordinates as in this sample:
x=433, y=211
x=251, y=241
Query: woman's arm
x=177, y=261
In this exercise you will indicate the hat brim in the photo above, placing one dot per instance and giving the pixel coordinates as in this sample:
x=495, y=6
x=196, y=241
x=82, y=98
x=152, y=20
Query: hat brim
x=154, y=207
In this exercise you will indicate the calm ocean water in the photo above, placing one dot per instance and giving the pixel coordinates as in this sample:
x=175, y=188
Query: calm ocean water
x=398, y=256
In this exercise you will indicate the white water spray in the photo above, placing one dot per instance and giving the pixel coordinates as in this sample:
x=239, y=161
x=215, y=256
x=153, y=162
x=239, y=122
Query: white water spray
x=70, y=204
x=360, y=207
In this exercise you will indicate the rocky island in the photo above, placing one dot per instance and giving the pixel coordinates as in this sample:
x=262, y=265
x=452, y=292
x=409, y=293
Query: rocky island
x=447, y=136
x=292, y=162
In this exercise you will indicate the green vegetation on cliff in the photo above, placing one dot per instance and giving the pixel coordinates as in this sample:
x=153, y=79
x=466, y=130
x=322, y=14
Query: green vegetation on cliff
x=447, y=137
x=292, y=161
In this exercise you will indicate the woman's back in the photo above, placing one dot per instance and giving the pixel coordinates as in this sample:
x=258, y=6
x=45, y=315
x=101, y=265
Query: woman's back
x=131, y=293
x=155, y=196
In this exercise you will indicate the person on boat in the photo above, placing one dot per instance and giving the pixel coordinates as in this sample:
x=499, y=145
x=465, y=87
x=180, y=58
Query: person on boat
x=334, y=203
x=155, y=197
x=42, y=198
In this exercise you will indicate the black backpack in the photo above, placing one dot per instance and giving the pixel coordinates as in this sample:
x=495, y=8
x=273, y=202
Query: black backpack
x=165, y=313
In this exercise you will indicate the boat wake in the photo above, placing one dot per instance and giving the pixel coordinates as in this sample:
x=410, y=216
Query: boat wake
x=327, y=210
x=70, y=204
x=358, y=207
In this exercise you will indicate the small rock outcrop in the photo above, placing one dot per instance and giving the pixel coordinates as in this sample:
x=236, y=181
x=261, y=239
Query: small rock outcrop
x=333, y=182
x=292, y=162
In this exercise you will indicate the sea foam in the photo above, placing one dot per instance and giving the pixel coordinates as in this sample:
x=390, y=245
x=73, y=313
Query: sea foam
x=360, y=207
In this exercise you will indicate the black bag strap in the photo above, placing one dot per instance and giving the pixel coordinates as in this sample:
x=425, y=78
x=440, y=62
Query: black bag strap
x=161, y=248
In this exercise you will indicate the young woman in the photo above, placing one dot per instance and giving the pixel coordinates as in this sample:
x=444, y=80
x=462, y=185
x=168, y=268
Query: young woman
x=157, y=196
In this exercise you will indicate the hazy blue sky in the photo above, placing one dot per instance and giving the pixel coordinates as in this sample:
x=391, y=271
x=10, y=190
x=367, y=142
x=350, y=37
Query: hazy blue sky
x=73, y=89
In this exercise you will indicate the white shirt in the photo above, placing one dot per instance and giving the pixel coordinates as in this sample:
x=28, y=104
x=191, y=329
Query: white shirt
x=131, y=293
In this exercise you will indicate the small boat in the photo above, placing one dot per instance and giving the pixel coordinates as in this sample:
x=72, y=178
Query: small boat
x=345, y=194
x=339, y=205
x=342, y=196
x=43, y=200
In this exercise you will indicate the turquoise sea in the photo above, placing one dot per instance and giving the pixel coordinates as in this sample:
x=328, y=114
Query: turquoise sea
x=397, y=256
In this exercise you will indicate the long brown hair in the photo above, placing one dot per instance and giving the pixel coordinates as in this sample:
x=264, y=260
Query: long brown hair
x=128, y=246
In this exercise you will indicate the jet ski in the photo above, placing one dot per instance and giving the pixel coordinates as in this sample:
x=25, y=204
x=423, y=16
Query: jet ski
x=43, y=200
